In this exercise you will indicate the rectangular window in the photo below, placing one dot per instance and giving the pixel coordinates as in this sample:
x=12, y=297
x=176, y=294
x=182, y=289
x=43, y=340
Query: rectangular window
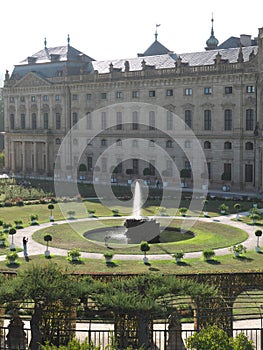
x=23, y=121
x=33, y=98
x=248, y=173
x=11, y=99
x=118, y=169
x=227, y=175
x=228, y=90
x=57, y=97
x=119, y=121
x=45, y=98
x=169, y=120
x=250, y=89
x=207, y=120
x=74, y=119
x=169, y=168
x=103, y=121
x=58, y=121
x=135, y=120
x=12, y=121
x=207, y=90
x=228, y=119
x=103, y=96
x=249, y=119
x=88, y=97
x=135, y=94
x=103, y=143
x=135, y=166
x=152, y=93
x=104, y=165
x=188, y=118
x=89, y=163
x=169, y=92
x=209, y=170
x=89, y=121
x=152, y=120
x=74, y=97
x=45, y=120
x=119, y=94
x=22, y=98
x=34, y=121
x=188, y=92
x=151, y=166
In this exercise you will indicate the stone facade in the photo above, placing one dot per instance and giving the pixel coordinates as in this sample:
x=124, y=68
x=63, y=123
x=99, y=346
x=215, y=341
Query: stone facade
x=217, y=93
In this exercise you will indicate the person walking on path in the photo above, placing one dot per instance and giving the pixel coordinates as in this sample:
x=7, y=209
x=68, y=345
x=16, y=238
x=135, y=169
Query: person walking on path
x=25, y=240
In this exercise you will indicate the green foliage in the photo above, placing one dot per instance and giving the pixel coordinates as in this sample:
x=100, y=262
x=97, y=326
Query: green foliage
x=178, y=255
x=214, y=338
x=237, y=207
x=46, y=284
x=241, y=342
x=254, y=214
x=183, y=211
x=208, y=254
x=223, y=208
x=73, y=254
x=145, y=247
x=76, y=344
x=11, y=257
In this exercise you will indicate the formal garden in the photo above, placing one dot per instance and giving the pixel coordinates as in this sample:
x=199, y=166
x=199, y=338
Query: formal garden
x=43, y=285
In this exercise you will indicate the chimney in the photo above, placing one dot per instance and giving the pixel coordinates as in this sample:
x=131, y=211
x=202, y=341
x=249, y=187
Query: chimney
x=245, y=40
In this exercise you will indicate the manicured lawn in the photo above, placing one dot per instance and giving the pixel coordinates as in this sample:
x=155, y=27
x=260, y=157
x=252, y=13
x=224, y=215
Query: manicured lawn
x=252, y=261
x=207, y=235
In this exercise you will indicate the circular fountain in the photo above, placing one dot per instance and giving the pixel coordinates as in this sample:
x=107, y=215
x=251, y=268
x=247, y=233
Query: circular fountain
x=139, y=228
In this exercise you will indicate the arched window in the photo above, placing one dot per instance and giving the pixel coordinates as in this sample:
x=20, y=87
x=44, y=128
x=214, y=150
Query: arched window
x=207, y=145
x=169, y=144
x=249, y=146
x=58, y=141
x=227, y=145
x=103, y=143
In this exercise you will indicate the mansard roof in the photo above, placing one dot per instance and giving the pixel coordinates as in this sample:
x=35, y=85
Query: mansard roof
x=52, y=62
x=58, y=54
x=168, y=60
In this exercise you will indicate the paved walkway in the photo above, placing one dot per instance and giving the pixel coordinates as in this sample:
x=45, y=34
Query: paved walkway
x=35, y=248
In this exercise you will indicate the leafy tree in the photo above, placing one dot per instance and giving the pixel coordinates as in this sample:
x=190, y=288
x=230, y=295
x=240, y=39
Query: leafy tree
x=141, y=298
x=47, y=239
x=45, y=286
x=258, y=234
x=145, y=247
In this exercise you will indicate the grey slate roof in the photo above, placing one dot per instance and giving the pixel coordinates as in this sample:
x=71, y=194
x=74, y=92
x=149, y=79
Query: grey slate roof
x=156, y=48
x=168, y=61
x=233, y=42
x=74, y=61
x=66, y=53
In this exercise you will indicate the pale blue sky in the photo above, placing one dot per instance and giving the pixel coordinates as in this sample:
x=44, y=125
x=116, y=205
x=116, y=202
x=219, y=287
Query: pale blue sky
x=105, y=29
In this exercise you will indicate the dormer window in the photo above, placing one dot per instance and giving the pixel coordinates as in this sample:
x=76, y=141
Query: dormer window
x=54, y=57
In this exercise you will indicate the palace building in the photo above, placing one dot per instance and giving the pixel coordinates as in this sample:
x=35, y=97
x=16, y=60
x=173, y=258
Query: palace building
x=217, y=93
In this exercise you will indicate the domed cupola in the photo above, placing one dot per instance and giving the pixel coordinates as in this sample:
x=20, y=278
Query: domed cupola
x=212, y=42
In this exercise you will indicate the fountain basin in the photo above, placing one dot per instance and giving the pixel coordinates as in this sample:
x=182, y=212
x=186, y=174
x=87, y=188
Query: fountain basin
x=142, y=229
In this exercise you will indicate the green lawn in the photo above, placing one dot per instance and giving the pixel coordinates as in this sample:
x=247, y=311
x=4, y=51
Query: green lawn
x=207, y=235
x=252, y=261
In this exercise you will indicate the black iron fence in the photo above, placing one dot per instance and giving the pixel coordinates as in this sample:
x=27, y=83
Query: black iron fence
x=161, y=336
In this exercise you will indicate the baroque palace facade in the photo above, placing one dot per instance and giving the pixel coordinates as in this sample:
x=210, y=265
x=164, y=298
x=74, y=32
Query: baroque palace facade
x=217, y=93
